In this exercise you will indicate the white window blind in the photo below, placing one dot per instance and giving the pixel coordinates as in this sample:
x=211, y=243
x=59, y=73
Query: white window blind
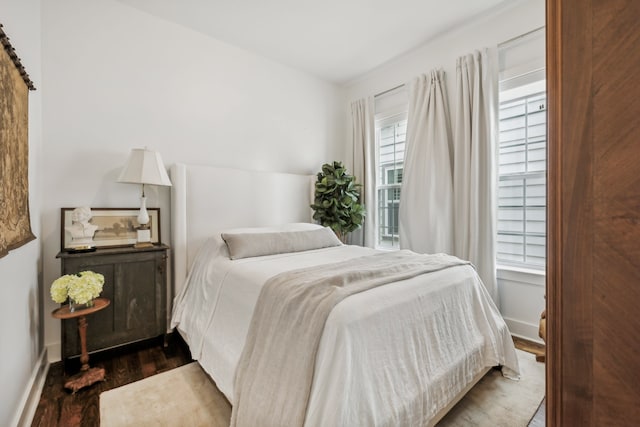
x=521, y=239
x=390, y=136
x=391, y=128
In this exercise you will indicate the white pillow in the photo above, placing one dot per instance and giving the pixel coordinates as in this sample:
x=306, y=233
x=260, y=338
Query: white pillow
x=293, y=226
x=245, y=244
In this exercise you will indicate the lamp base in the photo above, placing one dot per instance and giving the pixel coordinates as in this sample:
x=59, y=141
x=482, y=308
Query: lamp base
x=143, y=238
x=143, y=245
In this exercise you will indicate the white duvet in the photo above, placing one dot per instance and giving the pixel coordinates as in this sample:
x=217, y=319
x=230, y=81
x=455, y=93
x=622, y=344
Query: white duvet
x=391, y=356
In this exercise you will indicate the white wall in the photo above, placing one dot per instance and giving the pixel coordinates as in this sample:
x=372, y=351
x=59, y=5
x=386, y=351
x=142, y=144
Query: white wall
x=19, y=291
x=509, y=20
x=522, y=295
x=116, y=78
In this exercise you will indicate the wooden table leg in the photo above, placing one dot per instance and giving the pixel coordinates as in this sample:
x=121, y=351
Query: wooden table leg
x=82, y=331
x=87, y=375
x=542, y=332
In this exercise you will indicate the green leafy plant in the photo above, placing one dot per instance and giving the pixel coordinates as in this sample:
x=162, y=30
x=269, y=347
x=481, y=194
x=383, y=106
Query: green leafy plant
x=336, y=203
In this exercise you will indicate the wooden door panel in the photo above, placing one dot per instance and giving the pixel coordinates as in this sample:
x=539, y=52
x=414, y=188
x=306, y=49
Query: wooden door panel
x=616, y=142
x=570, y=214
x=593, y=282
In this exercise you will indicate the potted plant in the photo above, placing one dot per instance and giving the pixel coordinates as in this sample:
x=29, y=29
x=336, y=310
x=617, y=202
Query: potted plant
x=336, y=203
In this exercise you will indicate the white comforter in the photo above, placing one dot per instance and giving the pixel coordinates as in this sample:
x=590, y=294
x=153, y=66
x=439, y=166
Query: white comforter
x=385, y=357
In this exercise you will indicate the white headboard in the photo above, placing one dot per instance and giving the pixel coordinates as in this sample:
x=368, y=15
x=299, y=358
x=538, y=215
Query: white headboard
x=206, y=200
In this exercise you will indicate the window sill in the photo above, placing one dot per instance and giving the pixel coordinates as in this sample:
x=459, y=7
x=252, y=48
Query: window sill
x=522, y=275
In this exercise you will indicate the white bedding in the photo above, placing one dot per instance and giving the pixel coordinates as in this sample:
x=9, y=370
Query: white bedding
x=385, y=357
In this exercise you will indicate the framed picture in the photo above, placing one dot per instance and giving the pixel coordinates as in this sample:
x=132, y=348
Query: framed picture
x=114, y=227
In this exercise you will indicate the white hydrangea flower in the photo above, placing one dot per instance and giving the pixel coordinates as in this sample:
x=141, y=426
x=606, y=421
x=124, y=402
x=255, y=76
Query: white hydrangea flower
x=60, y=287
x=81, y=288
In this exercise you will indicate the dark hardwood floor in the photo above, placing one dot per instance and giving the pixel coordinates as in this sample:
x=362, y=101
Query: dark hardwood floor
x=59, y=407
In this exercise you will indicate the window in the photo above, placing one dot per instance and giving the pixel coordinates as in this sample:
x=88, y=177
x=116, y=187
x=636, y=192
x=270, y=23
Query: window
x=390, y=142
x=521, y=228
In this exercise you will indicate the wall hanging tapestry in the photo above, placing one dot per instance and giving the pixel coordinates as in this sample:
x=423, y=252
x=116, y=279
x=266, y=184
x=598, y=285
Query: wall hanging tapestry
x=15, y=225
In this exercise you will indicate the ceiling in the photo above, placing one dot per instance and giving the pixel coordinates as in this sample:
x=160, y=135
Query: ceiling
x=336, y=40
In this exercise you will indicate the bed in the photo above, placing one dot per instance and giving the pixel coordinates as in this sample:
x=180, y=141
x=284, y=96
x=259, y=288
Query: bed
x=393, y=355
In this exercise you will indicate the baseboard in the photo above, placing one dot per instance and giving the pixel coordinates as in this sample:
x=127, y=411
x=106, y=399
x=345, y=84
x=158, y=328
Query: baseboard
x=31, y=396
x=524, y=330
x=54, y=351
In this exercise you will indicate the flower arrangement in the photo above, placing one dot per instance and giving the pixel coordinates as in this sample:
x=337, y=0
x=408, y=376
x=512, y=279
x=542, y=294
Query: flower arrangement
x=81, y=288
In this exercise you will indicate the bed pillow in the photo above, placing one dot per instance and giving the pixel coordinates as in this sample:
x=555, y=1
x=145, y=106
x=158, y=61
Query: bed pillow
x=245, y=244
x=292, y=226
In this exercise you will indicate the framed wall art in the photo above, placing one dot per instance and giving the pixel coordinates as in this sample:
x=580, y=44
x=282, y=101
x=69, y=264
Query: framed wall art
x=15, y=222
x=112, y=227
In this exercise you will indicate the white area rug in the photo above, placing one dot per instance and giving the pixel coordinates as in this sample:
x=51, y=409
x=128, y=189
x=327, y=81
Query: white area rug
x=186, y=396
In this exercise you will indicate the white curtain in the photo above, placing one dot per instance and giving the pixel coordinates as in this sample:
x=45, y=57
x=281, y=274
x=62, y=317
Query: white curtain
x=426, y=200
x=363, y=142
x=475, y=135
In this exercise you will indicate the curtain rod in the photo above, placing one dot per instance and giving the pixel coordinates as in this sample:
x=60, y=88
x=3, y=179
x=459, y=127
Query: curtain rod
x=502, y=44
x=388, y=90
x=537, y=70
x=516, y=38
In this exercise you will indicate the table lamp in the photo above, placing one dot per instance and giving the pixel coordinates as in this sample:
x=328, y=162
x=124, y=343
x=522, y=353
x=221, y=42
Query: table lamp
x=144, y=167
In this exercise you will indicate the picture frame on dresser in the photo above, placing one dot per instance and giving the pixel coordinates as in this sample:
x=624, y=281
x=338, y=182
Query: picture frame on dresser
x=116, y=226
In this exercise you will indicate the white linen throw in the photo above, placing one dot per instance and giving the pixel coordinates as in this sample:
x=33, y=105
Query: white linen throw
x=273, y=379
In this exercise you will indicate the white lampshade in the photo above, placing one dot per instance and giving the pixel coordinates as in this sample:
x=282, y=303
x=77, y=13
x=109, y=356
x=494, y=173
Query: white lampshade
x=144, y=167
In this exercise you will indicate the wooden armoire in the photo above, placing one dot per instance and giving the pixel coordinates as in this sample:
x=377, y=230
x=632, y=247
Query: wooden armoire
x=593, y=272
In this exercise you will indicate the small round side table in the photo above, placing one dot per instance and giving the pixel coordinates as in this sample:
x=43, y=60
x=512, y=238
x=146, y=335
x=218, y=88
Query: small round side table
x=87, y=375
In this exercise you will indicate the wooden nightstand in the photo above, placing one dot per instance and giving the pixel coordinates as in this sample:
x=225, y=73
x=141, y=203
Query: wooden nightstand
x=135, y=281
